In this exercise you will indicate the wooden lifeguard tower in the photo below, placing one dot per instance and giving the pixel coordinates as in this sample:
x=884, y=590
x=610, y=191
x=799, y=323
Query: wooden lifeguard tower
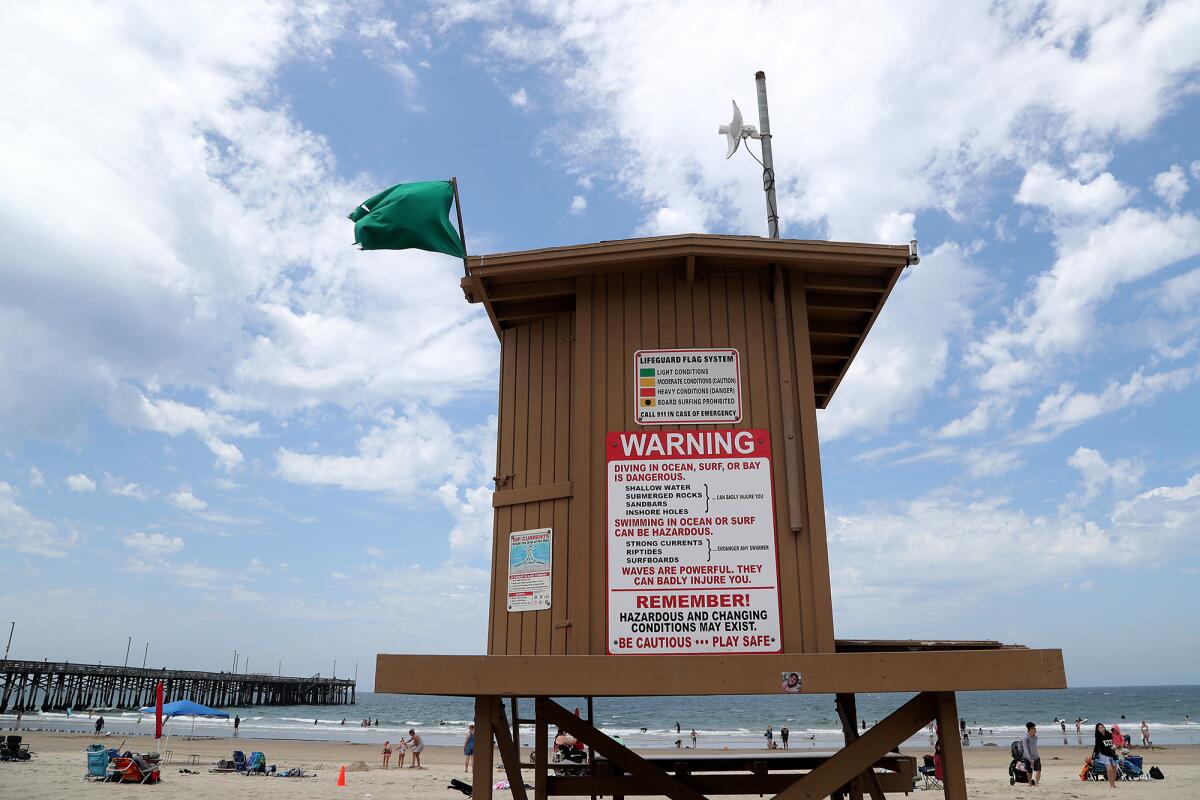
x=659, y=520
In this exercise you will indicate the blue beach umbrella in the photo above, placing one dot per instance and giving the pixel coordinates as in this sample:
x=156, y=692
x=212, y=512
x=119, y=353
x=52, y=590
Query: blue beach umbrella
x=187, y=708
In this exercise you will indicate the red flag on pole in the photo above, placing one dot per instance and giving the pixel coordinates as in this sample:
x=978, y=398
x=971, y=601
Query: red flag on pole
x=158, y=693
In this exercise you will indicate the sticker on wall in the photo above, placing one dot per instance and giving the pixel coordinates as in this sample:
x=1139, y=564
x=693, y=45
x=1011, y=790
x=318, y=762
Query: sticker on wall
x=790, y=683
x=529, y=570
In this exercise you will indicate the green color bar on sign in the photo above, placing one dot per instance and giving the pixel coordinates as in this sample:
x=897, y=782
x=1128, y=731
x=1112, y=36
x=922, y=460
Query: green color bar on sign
x=646, y=372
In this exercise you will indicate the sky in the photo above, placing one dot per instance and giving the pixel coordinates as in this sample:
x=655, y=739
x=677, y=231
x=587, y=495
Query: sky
x=223, y=429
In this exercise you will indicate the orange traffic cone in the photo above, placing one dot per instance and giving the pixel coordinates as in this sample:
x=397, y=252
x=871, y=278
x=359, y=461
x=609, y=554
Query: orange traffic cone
x=342, y=776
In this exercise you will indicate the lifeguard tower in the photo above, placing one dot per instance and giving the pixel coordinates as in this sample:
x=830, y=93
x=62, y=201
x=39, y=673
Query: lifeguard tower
x=659, y=520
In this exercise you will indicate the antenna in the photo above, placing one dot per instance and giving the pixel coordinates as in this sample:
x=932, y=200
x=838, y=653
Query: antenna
x=735, y=131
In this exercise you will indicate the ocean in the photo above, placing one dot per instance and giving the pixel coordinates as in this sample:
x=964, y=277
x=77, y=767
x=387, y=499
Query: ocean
x=723, y=721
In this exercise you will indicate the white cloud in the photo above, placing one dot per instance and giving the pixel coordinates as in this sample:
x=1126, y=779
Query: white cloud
x=36, y=479
x=256, y=566
x=406, y=457
x=385, y=47
x=158, y=291
x=1181, y=293
x=1097, y=474
x=1014, y=85
x=153, y=544
x=579, y=204
x=1065, y=407
x=229, y=457
x=20, y=530
x=1046, y=186
x=1195, y=170
x=80, y=483
x=1171, y=185
x=471, y=536
x=978, y=420
x=1089, y=164
x=906, y=353
x=186, y=500
x=989, y=542
x=1058, y=315
x=519, y=98
x=124, y=488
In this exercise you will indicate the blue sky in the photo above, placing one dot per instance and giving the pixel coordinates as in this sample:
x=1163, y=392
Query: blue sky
x=222, y=428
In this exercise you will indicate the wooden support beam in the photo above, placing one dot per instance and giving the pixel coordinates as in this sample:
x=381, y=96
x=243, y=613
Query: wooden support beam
x=954, y=776
x=848, y=712
x=787, y=393
x=481, y=775
x=824, y=673
x=842, y=302
x=618, y=754
x=829, y=282
x=532, y=309
x=533, y=494
x=861, y=754
x=541, y=749
x=529, y=290
x=706, y=783
x=510, y=757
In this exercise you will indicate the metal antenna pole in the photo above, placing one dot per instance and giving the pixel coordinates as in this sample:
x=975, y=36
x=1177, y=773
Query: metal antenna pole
x=128, y=645
x=145, y=655
x=764, y=129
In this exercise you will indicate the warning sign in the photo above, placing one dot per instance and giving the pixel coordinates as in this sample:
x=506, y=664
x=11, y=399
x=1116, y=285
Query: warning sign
x=687, y=386
x=691, y=543
x=529, y=570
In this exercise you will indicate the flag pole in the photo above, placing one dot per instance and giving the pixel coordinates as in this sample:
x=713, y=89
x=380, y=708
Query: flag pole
x=461, y=235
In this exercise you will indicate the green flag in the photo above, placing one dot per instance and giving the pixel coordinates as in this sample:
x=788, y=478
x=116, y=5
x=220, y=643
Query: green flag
x=408, y=215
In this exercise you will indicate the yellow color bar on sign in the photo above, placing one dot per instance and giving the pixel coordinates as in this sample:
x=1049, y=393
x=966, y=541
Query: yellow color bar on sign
x=646, y=382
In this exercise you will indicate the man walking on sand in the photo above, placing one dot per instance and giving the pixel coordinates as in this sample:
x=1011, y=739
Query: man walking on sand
x=1032, y=755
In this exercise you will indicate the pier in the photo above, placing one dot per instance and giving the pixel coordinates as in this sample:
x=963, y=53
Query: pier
x=56, y=686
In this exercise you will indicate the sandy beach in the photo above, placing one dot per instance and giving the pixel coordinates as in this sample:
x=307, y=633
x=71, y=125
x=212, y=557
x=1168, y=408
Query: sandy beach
x=59, y=762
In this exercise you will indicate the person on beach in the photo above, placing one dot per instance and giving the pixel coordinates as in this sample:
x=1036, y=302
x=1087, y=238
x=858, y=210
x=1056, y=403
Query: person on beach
x=1104, y=754
x=1063, y=722
x=770, y=735
x=693, y=738
x=1032, y=755
x=784, y=733
x=469, y=748
x=237, y=723
x=401, y=751
x=99, y=724
x=677, y=728
x=417, y=745
x=387, y=753
x=1146, y=736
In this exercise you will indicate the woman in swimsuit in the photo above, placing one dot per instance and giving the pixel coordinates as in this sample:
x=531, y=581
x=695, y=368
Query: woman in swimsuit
x=417, y=746
x=387, y=754
x=469, y=748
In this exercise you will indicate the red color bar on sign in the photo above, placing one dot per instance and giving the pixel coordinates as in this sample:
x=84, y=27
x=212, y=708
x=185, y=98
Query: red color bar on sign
x=646, y=392
x=646, y=445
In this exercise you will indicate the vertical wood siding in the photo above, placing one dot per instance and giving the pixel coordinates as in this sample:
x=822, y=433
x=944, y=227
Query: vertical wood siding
x=568, y=380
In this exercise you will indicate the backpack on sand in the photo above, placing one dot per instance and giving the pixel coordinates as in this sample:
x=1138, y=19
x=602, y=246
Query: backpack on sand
x=1156, y=774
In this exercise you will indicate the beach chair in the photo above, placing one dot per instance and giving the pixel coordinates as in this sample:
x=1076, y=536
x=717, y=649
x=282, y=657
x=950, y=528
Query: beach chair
x=11, y=749
x=256, y=764
x=1097, y=771
x=133, y=769
x=929, y=772
x=1131, y=768
x=239, y=761
x=98, y=757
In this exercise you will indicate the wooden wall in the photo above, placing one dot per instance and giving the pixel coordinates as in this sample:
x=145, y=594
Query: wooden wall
x=568, y=380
